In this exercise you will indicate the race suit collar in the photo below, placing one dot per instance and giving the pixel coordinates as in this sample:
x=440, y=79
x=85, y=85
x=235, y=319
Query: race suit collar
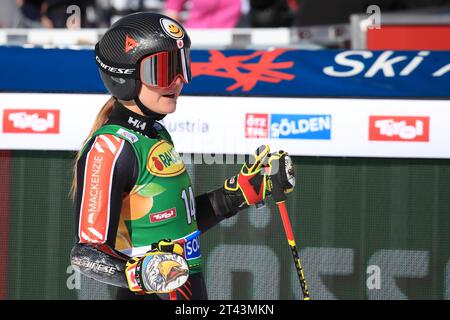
x=120, y=115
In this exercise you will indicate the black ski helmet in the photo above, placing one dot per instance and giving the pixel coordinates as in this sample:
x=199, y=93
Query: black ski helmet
x=128, y=41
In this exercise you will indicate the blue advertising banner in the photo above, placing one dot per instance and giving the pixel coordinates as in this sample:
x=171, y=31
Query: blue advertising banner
x=300, y=126
x=279, y=72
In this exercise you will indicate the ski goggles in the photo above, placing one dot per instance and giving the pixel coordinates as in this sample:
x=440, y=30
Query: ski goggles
x=162, y=68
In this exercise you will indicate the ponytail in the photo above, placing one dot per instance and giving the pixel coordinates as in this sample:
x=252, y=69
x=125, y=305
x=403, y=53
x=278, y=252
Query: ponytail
x=100, y=120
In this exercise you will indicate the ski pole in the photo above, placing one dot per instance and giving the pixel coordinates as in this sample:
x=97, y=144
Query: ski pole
x=280, y=199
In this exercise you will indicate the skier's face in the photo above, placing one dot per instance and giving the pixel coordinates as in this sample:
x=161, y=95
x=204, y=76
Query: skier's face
x=163, y=101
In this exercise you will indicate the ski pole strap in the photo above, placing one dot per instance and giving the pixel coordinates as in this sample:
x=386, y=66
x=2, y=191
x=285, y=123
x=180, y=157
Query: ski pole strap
x=276, y=189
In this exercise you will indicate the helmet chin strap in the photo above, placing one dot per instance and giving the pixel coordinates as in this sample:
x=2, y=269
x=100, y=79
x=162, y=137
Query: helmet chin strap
x=147, y=112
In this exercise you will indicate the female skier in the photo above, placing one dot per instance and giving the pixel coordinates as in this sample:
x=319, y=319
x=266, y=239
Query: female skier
x=138, y=222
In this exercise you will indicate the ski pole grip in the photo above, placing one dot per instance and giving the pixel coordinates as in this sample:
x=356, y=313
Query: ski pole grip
x=277, y=190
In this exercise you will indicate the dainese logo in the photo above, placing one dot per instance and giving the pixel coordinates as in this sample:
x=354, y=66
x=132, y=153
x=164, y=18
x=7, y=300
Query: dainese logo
x=130, y=43
x=399, y=128
x=164, y=161
x=30, y=121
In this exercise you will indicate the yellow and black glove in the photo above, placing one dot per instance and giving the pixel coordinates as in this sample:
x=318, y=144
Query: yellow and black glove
x=161, y=270
x=258, y=178
x=249, y=186
x=280, y=175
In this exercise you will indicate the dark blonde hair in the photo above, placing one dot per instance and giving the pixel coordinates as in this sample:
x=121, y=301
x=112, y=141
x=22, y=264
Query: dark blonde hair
x=101, y=118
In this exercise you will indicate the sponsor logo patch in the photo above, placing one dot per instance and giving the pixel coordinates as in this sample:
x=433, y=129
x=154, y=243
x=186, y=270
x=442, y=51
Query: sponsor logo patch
x=130, y=43
x=191, y=245
x=113, y=69
x=288, y=126
x=128, y=135
x=94, y=266
x=164, y=161
x=256, y=125
x=94, y=211
x=300, y=126
x=171, y=28
x=137, y=123
x=399, y=128
x=30, y=121
x=163, y=215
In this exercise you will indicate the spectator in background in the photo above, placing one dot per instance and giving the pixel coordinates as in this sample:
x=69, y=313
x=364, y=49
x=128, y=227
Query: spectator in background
x=31, y=13
x=9, y=14
x=51, y=13
x=110, y=11
x=205, y=13
x=325, y=12
x=272, y=13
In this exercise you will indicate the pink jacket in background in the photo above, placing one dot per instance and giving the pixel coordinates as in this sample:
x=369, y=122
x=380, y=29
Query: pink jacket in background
x=208, y=13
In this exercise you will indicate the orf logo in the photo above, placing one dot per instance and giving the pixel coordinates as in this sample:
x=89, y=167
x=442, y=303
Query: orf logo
x=164, y=161
x=256, y=125
x=30, y=121
x=399, y=128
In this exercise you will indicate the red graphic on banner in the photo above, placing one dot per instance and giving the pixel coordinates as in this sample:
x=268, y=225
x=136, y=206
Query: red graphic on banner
x=256, y=125
x=399, y=128
x=30, y=121
x=246, y=74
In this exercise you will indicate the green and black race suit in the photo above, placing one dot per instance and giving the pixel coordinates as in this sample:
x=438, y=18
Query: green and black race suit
x=133, y=189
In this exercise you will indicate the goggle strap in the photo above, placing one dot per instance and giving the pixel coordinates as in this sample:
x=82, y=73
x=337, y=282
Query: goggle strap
x=184, y=62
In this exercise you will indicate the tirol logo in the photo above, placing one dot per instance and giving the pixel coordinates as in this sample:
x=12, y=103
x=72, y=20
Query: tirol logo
x=172, y=29
x=30, y=121
x=399, y=128
x=164, y=161
x=288, y=126
x=163, y=215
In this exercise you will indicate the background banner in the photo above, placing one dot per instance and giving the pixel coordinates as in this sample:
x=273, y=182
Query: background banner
x=279, y=72
x=367, y=225
x=238, y=125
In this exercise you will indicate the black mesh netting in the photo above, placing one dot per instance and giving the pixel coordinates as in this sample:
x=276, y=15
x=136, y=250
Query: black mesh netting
x=365, y=228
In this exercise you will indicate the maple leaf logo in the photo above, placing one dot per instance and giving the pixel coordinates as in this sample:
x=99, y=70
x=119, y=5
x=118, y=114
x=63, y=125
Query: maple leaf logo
x=264, y=70
x=130, y=43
